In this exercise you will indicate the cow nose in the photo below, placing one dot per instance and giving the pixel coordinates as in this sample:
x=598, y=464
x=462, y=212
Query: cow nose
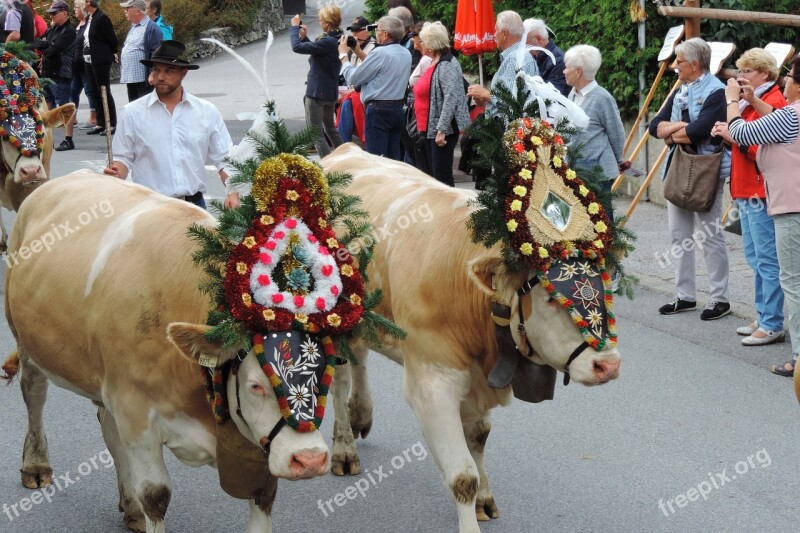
x=307, y=463
x=30, y=173
x=606, y=370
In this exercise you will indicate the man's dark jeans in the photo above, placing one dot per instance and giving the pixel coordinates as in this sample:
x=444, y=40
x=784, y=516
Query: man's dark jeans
x=384, y=122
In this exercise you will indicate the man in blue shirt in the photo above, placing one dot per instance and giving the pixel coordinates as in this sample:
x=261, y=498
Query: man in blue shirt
x=383, y=77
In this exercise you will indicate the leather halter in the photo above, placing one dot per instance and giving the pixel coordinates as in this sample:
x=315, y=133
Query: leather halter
x=240, y=355
x=522, y=291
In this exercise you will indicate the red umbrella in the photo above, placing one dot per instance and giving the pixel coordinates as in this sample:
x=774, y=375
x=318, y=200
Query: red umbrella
x=474, y=33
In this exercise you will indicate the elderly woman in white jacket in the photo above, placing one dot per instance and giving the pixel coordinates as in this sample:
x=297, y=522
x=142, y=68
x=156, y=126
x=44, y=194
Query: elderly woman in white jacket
x=440, y=102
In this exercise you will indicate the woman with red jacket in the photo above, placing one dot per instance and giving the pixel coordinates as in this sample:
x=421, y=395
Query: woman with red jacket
x=757, y=76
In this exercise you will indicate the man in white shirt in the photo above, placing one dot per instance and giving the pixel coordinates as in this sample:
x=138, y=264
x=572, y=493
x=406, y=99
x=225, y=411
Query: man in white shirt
x=165, y=139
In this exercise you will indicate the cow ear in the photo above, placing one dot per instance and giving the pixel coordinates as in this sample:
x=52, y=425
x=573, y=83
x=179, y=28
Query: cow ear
x=59, y=116
x=492, y=277
x=191, y=340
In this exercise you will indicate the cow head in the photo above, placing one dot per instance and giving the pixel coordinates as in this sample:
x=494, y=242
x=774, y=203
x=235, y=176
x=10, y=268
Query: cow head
x=254, y=407
x=548, y=328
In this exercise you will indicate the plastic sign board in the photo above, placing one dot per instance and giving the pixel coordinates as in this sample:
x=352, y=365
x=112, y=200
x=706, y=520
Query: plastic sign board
x=674, y=35
x=719, y=53
x=780, y=51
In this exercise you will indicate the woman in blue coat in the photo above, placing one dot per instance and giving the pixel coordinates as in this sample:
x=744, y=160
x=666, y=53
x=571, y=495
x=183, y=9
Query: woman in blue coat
x=322, y=84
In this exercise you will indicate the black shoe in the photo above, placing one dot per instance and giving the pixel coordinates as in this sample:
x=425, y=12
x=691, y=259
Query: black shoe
x=715, y=310
x=113, y=131
x=65, y=145
x=95, y=131
x=677, y=306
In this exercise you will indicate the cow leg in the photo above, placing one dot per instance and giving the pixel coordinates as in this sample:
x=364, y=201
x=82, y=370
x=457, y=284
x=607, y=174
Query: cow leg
x=345, y=455
x=129, y=505
x=360, y=405
x=36, y=470
x=4, y=236
x=435, y=395
x=259, y=517
x=476, y=434
x=151, y=482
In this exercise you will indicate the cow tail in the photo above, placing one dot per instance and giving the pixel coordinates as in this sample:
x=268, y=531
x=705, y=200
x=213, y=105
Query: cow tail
x=10, y=368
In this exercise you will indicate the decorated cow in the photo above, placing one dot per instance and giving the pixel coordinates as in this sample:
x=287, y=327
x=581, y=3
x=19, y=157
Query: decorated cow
x=496, y=292
x=26, y=140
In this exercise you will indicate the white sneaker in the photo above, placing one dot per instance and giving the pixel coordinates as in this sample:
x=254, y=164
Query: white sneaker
x=747, y=330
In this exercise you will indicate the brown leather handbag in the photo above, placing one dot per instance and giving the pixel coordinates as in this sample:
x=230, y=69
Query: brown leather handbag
x=692, y=179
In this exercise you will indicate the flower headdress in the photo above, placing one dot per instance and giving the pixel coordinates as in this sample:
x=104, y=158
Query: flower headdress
x=549, y=220
x=20, y=121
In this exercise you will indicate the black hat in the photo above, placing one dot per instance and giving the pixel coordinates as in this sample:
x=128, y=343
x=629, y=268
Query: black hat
x=169, y=54
x=359, y=23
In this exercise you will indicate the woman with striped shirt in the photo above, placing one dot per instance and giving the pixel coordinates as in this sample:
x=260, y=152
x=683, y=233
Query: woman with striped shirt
x=777, y=132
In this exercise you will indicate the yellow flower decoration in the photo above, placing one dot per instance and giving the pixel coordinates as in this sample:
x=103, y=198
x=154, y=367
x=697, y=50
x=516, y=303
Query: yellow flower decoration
x=516, y=205
x=268, y=314
x=249, y=242
x=519, y=190
x=322, y=223
x=600, y=227
x=598, y=243
x=583, y=190
x=526, y=248
x=292, y=195
x=301, y=317
x=531, y=156
x=543, y=253
x=537, y=141
x=525, y=174
x=512, y=225
x=593, y=208
x=334, y=319
x=347, y=270
x=267, y=220
x=355, y=299
x=241, y=268
x=571, y=174
x=557, y=162
x=246, y=299
x=332, y=243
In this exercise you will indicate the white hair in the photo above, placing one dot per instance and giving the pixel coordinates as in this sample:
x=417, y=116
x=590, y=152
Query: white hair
x=511, y=22
x=403, y=14
x=585, y=57
x=536, y=27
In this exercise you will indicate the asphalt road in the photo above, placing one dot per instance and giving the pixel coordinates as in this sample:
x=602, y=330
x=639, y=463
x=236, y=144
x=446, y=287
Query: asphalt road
x=696, y=434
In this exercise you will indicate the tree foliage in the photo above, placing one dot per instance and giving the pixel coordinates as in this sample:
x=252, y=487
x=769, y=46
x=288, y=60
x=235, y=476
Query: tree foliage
x=608, y=26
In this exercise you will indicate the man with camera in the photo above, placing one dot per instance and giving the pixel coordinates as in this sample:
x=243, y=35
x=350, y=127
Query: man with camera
x=350, y=116
x=360, y=40
x=383, y=77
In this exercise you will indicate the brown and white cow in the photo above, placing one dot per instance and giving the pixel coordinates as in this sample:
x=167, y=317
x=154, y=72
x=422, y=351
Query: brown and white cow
x=21, y=174
x=438, y=286
x=98, y=271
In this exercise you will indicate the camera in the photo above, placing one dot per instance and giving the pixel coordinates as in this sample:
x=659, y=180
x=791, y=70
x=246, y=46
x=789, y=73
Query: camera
x=351, y=41
x=372, y=27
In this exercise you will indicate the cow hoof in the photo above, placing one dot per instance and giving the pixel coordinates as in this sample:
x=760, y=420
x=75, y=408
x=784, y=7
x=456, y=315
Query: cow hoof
x=485, y=509
x=360, y=419
x=135, y=523
x=37, y=480
x=345, y=463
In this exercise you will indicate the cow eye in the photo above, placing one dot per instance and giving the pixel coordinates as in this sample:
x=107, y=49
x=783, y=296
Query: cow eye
x=256, y=388
x=551, y=300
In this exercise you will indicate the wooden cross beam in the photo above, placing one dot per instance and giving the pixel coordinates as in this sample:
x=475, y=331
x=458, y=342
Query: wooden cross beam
x=729, y=14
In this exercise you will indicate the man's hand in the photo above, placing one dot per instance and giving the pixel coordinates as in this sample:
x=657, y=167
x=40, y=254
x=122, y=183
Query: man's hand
x=440, y=140
x=232, y=200
x=479, y=94
x=118, y=170
x=343, y=48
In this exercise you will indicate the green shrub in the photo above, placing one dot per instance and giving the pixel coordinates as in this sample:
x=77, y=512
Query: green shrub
x=607, y=25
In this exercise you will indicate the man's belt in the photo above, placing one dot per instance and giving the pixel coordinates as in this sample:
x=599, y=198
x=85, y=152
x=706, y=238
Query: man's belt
x=385, y=102
x=193, y=198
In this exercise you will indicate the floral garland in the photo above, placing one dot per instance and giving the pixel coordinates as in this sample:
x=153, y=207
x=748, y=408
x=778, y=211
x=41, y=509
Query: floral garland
x=280, y=393
x=21, y=99
x=578, y=319
x=290, y=272
x=524, y=141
